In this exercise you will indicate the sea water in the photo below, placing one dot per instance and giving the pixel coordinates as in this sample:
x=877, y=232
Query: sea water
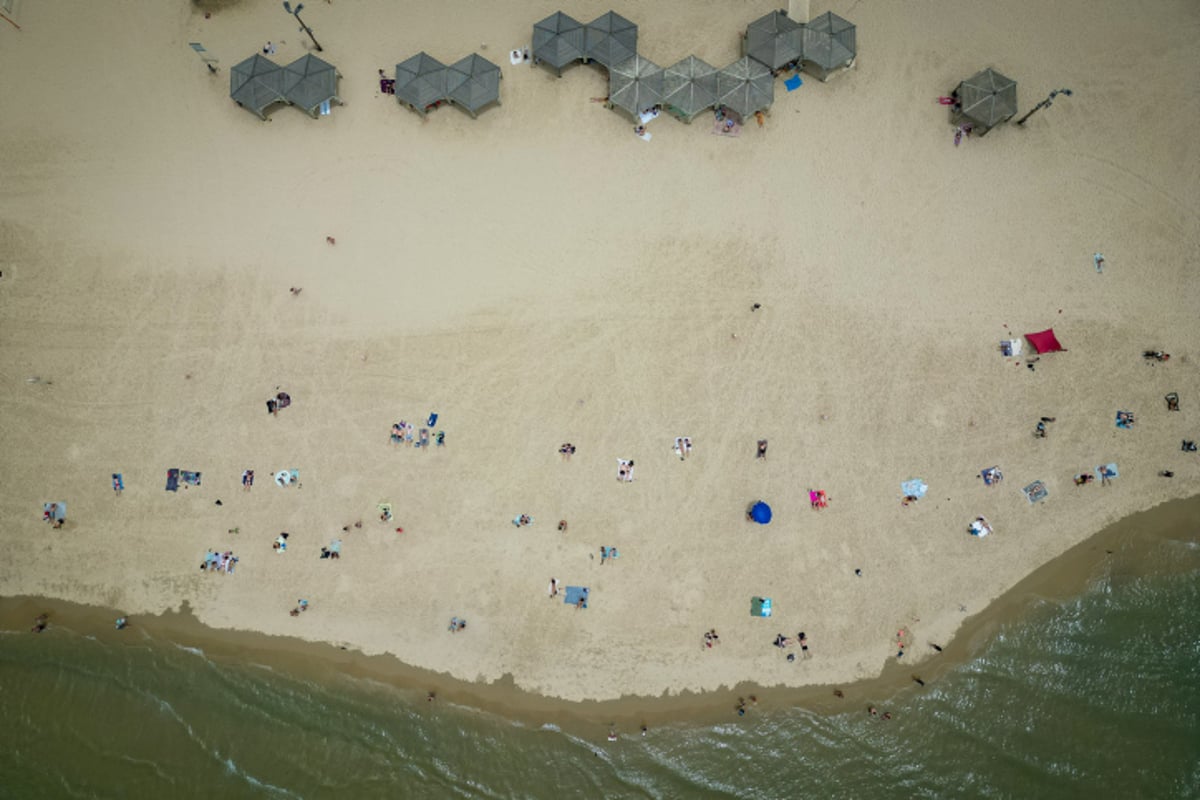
x=1095, y=697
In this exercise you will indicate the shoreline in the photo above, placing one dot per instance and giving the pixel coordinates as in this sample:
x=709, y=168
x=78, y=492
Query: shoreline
x=1120, y=547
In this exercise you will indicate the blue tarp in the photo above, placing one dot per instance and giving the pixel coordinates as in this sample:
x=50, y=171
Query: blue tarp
x=574, y=594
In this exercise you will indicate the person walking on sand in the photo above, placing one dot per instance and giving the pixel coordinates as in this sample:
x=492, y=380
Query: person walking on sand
x=762, y=449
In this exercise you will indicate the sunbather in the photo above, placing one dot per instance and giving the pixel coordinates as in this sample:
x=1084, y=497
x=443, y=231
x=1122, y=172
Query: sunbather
x=397, y=435
x=1172, y=402
x=1084, y=478
x=1188, y=446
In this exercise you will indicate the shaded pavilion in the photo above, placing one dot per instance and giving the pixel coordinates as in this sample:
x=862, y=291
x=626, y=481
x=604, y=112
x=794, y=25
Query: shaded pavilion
x=473, y=83
x=557, y=41
x=420, y=82
x=774, y=39
x=745, y=86
x=635, y=85
x=308, y=82
x=829, y=45
x=609, y=39
x=689, y=87
x=257, y=84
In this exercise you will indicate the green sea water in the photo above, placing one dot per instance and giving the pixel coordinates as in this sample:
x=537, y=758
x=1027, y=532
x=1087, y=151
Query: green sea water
x=1096, y=697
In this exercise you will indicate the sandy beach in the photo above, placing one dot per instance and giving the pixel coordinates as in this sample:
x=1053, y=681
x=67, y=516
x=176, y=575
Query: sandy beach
x=539, y=275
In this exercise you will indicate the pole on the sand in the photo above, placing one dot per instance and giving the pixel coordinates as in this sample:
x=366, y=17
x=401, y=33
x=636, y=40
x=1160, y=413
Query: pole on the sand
x=296, y=13
x=209, y=61
x=1049, y=101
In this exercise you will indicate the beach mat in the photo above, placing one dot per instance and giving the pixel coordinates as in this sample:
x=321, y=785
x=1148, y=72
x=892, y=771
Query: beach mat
x=760, y=606
x=1107, y=471
x=118, y=481
x=1036, y=492
x=574, y=594
x=59, y=510
x=793, y=83
x=172, y=480
x=190, y=478
x=914, y=487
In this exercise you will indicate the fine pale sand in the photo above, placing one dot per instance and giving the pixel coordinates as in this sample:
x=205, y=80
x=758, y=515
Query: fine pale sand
x=540, y=275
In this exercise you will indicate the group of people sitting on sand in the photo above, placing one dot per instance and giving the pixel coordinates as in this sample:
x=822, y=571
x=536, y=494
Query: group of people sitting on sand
x=405, y=433
x=219, y=562
x=801, y=639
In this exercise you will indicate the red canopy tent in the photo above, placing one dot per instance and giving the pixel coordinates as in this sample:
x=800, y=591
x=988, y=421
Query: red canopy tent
x=1045, y=341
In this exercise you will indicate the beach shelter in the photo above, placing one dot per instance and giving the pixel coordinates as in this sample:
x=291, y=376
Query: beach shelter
x=473, y=83
x=1044, y=341
x=689, y=87
x=760, y=512
x=636, y=85
x=829, y=45
x=609, y=39
x=557, y=41
x=774, y=40
x=309, y=82
x=745, y=86
x=257, y=83
x=987, y=99
x=420, y=82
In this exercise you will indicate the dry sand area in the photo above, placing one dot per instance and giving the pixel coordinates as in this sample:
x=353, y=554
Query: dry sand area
x=540, y=275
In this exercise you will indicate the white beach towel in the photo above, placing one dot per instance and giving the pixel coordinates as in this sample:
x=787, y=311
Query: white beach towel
x=645, y=135
x=516, y=57
x=646, y=116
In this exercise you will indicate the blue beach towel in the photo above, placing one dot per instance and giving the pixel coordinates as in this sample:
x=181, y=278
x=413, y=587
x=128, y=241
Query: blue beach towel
x=118, y=481
x=760, y=606
x=574, y=594
x=914, y=487
x=1036, y=492
x=172, y=480
x=54, y=510
x=1107, y=471
x=190, y=478
x=432, y=421
x=793, y=83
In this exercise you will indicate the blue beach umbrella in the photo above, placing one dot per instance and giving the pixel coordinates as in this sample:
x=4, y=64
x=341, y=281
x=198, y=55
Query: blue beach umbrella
x=760, y=512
